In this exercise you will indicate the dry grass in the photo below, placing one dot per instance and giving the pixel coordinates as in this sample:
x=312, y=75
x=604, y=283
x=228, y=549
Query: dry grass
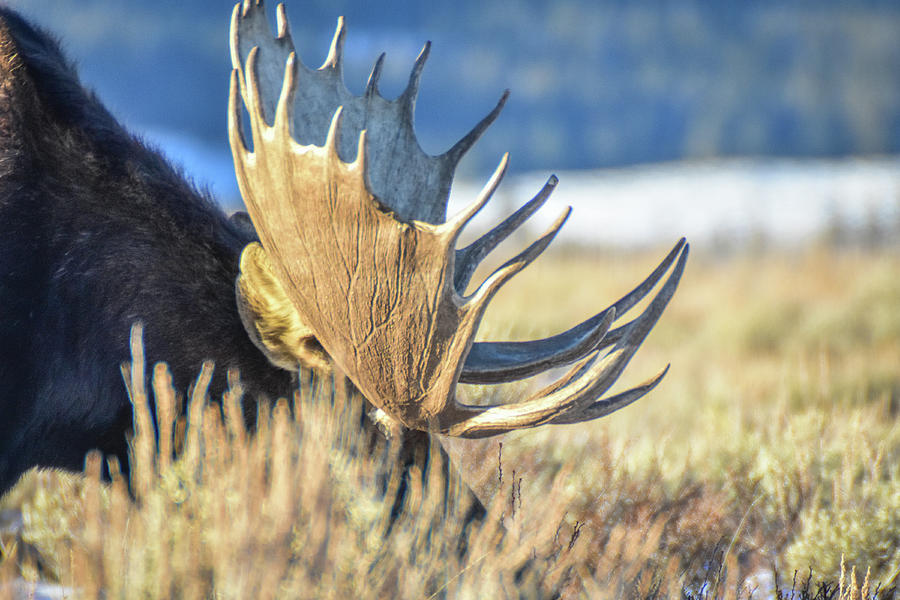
x=771, y=447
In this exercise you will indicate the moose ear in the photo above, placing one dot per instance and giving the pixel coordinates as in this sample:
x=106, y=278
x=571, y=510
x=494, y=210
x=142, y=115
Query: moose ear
x=30, y=81
x=270, y=318
x=12, y=71
x=241, y=221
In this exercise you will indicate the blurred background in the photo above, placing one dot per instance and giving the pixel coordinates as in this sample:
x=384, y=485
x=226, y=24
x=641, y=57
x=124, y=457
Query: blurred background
x=736, y=124
x=767, y=132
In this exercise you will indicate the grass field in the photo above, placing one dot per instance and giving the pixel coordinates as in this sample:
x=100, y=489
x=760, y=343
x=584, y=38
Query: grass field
x=771, y=448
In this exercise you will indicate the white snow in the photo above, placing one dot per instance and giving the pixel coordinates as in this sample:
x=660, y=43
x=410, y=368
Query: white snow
x=785, y=201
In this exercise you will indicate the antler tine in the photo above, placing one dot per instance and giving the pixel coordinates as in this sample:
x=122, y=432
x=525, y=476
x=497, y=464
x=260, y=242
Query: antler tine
x=641, y=326
x=282, y=25
x=541, y=409
x=477, y=302
x=468, y=258
x=372, y=83
x=409, y=95
x=335, y=59
x=499, y=362
x=628, y=301
x=630, y=342
x=251, y=29
x=236, y=14
x=334, y=133
x=454, y=226
x=582, y=386
x=235, y=128
x=452, y=156
x=612, y=404
x=253, y=99
x=284, y=110
x=632, y=298
x=247, y=5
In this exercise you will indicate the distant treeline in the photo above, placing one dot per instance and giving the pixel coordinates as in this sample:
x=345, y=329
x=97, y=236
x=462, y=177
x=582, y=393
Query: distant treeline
x=594, y=83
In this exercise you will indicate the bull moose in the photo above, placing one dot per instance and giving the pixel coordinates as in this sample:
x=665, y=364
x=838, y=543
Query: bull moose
x=348, y=260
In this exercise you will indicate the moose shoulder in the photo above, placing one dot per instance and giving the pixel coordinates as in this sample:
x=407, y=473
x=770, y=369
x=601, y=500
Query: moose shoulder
x=350, y=263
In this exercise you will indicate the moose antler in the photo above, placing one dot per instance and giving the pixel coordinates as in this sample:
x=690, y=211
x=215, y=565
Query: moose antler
x=351, y=214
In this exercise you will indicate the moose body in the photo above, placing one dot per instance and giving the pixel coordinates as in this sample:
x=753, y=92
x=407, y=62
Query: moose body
x=349, y=264
x=98, y=231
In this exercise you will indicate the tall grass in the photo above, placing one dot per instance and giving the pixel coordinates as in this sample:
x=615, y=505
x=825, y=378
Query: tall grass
x=770, y=449
x=297, y=510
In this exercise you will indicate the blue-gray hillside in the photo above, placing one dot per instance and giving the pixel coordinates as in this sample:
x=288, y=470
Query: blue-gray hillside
x=594, y=83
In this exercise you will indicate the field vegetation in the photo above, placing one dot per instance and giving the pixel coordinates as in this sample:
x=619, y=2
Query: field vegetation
x=767, y=461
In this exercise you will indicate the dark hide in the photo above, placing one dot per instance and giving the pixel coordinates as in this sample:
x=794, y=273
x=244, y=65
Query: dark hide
x=98, y=231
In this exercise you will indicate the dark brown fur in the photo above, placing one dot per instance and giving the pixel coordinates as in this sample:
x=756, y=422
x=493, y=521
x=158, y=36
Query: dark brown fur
x=98, y=231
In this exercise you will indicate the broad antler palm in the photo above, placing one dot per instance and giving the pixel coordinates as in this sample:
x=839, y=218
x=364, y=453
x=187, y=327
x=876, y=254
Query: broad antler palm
x=351, y=215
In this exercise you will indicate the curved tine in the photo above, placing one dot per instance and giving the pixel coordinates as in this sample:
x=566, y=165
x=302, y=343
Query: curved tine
x=282, y=25
x=452, y=156
x=477, y=302
x=468, y=258
x=374, y=76
x=235, y=128
x=500, y=362
x=599, y=380
x=537, y=410
x=335, y=59
x=236, y=16
x=408, y=97
x=253, y=101
x=603, y=407
x=249, y=5
x=284, y=110
x=627, y=302
x=455, y=224
x=334, y=132
x=587, y=381
x=638, y=329
x=633, y=297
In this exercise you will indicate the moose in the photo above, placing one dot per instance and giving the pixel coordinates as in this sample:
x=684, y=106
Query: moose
x=346, y=260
